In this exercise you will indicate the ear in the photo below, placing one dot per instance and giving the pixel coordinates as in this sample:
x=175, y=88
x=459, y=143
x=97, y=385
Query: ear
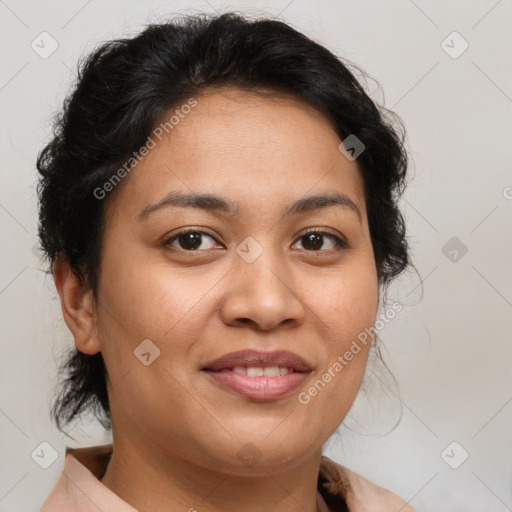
x=77, y=307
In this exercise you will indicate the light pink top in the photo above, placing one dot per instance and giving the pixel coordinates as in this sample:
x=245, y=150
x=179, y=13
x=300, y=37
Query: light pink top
x=80, y=490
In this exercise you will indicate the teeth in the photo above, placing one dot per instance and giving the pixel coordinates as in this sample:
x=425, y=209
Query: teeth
x=269, y=371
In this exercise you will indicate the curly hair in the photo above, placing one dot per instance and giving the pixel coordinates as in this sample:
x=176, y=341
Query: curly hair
x=126, y=86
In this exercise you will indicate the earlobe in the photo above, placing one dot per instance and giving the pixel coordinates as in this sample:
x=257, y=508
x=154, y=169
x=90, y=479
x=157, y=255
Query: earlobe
x=77, y=305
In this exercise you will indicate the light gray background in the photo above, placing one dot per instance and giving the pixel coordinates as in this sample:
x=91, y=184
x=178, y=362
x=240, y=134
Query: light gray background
x=450, y=351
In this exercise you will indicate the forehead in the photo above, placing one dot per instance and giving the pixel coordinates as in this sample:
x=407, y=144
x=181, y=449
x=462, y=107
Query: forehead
x=257, y=150
x=243, y=124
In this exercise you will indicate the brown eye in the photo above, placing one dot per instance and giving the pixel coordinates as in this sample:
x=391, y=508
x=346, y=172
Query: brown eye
x=191, y=240
x=314, y=241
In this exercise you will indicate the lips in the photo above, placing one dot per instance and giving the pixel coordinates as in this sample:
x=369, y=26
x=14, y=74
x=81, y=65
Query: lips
x=256, y=359
x=259, y=375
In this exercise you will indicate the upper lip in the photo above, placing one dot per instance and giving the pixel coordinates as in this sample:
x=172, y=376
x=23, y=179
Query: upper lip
x=257, y=358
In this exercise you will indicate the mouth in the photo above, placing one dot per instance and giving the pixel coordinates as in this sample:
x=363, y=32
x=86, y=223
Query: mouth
x=259, y=375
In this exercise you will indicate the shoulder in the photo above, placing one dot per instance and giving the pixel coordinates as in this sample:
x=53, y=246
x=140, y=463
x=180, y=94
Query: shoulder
x=359, y=493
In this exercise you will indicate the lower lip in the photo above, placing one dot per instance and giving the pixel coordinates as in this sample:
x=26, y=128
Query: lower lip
x=259, y=388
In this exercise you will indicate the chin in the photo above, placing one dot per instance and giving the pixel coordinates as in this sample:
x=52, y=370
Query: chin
x=260, y=454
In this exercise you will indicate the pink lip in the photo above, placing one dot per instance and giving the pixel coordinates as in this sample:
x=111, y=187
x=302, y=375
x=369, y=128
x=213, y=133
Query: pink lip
x=259, y=388
x=255, y=358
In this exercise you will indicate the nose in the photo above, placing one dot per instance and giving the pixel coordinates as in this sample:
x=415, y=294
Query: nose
x=262, y=294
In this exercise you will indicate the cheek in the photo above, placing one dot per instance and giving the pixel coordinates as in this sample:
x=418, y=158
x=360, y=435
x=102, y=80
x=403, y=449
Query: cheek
x=150, y=297
x=350, y=300
x=346, y=310
x=157, y=301
x=141, y=302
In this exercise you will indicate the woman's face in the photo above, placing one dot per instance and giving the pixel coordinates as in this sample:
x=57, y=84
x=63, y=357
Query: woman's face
x=250, y=282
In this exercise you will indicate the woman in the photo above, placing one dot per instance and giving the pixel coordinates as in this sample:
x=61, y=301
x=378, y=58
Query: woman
x=218, y=206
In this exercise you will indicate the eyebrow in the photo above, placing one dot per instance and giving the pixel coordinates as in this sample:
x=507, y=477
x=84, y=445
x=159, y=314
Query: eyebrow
x=213, y=203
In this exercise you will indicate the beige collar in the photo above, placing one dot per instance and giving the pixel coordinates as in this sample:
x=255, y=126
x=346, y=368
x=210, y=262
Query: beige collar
x=79, y=487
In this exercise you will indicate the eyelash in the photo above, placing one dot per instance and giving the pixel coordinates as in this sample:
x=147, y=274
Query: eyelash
x=341, y=244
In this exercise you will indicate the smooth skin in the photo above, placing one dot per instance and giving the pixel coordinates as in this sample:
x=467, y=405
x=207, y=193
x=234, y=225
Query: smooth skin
x=176, y=432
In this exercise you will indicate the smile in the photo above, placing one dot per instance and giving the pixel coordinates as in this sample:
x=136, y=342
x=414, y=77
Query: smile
x=259, y=375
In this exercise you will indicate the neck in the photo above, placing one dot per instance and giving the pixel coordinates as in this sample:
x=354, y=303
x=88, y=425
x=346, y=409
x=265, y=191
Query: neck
x=150, y=480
